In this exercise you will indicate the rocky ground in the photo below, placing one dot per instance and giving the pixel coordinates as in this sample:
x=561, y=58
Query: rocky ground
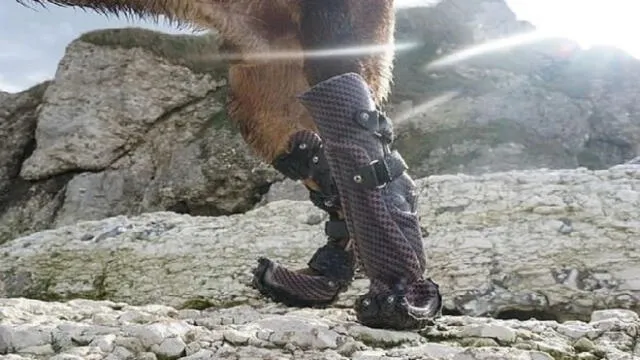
x=83, y=329
x=551, y=245
x=556, y=244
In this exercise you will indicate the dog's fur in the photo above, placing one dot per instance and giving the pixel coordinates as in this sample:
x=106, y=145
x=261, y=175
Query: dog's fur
x=263, y=89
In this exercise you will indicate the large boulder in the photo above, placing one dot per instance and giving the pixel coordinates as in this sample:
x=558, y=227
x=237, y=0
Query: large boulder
x=82, y=329
x=546, y=244
x=129, y=124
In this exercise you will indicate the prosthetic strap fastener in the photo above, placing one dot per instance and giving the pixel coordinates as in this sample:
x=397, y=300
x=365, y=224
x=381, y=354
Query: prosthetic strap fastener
x=295, y=164
x=327, y=202
x=336, y=229
x=380, y=172
x=376, y=122
x=306, y=160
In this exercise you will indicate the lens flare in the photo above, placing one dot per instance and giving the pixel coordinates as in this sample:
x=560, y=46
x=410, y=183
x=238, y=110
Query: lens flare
x=326, y=53
x=488, y=48
x=423, y=108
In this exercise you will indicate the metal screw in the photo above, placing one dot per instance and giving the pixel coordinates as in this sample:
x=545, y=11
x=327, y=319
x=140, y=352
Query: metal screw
x=315, y=159
x=357, y=179
x=390, y=299
x=364, y=116
x=366, y=302
x=302, y=146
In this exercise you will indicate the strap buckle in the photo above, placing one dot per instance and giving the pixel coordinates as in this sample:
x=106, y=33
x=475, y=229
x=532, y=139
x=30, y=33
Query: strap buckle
x=380, y=172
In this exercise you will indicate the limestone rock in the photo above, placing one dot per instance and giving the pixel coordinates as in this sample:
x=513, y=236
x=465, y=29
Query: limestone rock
x=281, y=333
x=286, y=190
x=18, y=118
x=549, y=244
x=124, y=128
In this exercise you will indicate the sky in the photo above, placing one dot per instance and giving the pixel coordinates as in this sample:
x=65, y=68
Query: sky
x=32, y=42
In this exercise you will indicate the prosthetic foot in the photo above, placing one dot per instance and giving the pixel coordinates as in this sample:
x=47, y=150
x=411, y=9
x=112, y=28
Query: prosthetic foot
x=379, y=202
x=331, y=269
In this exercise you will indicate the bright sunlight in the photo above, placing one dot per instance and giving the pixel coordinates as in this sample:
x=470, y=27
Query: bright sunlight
x=588, y=22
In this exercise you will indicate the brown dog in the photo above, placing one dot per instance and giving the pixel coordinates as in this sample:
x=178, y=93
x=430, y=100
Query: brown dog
x=263, y=88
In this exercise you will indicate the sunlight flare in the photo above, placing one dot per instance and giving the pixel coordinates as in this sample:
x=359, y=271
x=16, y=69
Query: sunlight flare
x=334, y=52
x=488, y=48
x=424, y=107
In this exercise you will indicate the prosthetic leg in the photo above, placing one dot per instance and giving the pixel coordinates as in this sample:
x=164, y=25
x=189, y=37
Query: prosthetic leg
x=379, y=202
x=351, y=173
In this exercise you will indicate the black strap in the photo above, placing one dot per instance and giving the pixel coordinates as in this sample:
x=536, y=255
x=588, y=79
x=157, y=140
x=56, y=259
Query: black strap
x=336, y=229
x=294, y=164
x=376, y=122
x=381, y=171
x=326, y=201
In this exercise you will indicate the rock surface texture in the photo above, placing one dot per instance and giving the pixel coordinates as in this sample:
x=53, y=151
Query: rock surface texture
x=84, y=329
x=123, y=130
x=546, y=244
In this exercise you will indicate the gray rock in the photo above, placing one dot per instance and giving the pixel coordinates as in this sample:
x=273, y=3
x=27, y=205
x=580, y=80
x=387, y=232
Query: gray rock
x=24, y=338
x=621, y=314
x=286, y=190
x=170, y=348
x=500, y=333
x=384, y=338
x=105, y=343
x=39, y=350
x=300, y=333
x=202, y=354
x=18, y=119
x=494, y=245
x=85, y=124
x=168, y=147
x=236, y=337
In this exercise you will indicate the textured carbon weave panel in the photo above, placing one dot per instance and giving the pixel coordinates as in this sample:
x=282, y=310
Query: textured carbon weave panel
x=382, y=222
x=312, y=288
x=334, y=265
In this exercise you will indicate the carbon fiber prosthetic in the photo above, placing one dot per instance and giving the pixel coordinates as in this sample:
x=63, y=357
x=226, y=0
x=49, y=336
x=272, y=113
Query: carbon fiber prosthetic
x=379, y=202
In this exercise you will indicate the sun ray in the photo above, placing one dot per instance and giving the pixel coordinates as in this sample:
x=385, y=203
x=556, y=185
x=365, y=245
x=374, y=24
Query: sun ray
x=325, y=53
x=488, y=48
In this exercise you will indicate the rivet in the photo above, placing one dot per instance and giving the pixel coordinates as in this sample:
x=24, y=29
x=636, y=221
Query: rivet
x=315, y=159
x=302, y=146
x=328, y=203
x=357, y=179
x=390, y=299
x=331, y=283
x=364, y=116
x=366, y=302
